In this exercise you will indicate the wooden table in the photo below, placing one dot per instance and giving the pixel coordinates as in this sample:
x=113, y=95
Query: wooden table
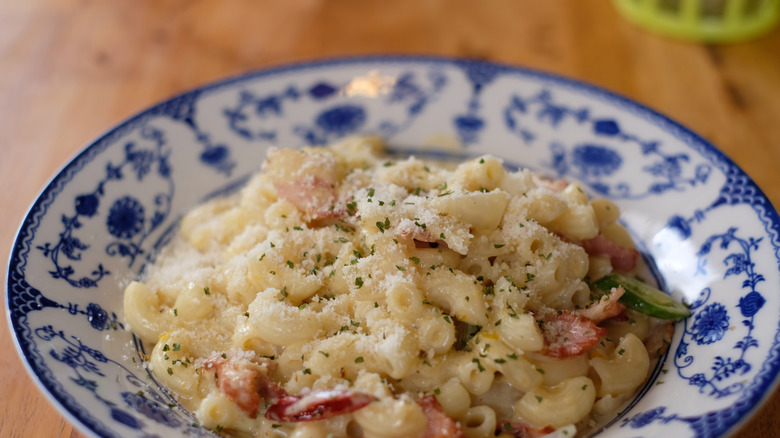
x=70, y=69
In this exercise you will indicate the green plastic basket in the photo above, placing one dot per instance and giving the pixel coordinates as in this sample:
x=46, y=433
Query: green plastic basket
x=713, y=21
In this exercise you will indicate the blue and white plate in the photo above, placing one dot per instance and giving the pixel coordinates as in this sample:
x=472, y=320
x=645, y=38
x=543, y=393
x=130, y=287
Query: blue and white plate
x=709, y=230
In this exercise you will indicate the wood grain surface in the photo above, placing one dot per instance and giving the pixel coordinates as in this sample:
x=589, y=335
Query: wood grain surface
x=71, y=69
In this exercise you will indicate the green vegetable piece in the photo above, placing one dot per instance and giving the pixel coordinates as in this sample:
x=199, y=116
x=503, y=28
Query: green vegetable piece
x=643, y=298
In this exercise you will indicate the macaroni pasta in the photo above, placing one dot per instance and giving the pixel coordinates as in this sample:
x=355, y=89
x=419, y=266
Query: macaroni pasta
x=344, y=293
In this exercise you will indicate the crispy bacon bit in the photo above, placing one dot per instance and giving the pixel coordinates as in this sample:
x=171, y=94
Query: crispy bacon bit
x=522, y=430
x=439, y=424
x=568, y=334
x=244, y=382
x=607, y=307
x=317, y=405
x=237, y=382
x=623, y=258
x=314, y=196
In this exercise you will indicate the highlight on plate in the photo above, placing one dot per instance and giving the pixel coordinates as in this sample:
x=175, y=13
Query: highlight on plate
x=344, y=293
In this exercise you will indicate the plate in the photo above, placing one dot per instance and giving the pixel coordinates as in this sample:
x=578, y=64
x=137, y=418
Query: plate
x=710, y=233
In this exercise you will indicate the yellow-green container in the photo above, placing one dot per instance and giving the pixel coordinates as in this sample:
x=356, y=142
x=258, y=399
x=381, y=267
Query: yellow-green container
x=712, y=21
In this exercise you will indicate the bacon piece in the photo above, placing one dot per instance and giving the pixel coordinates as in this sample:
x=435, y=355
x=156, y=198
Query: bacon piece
x=605, y=308
x=439, y=424
x=568, y=334
x=317, y=405
x=522, y=430
x=314, y=196
x=238, y=382
x=244, y=382
x=623, y=259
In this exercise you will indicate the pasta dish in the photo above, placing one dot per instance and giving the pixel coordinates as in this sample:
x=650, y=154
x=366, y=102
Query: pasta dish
x=345, y=293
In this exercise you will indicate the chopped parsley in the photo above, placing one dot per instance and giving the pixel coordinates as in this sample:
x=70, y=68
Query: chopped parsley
x=383, y=225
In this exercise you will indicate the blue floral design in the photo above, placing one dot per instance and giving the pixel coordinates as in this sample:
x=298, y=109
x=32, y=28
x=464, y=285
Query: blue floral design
x=710, y=324
x=339, y=117
x=322, y=90
x=152, y=409
x=97, y=316
x=85, y=361
x=215, y=156
x=738, y=188
x=698, y=379
x=751, y=303
x=606, y=127
x=681, y=225
x=86, y=205
x=128, y=420
x=643, y=419
x=126, y=218
x=470, y=125
x=593, y=163
x=468, y=128
x=265, y=107
x=595, y=160
x=711, y=321
x=341, y=120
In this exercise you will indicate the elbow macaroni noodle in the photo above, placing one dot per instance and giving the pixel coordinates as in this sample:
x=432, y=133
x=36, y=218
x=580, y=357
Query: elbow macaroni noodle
x=339, y=268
